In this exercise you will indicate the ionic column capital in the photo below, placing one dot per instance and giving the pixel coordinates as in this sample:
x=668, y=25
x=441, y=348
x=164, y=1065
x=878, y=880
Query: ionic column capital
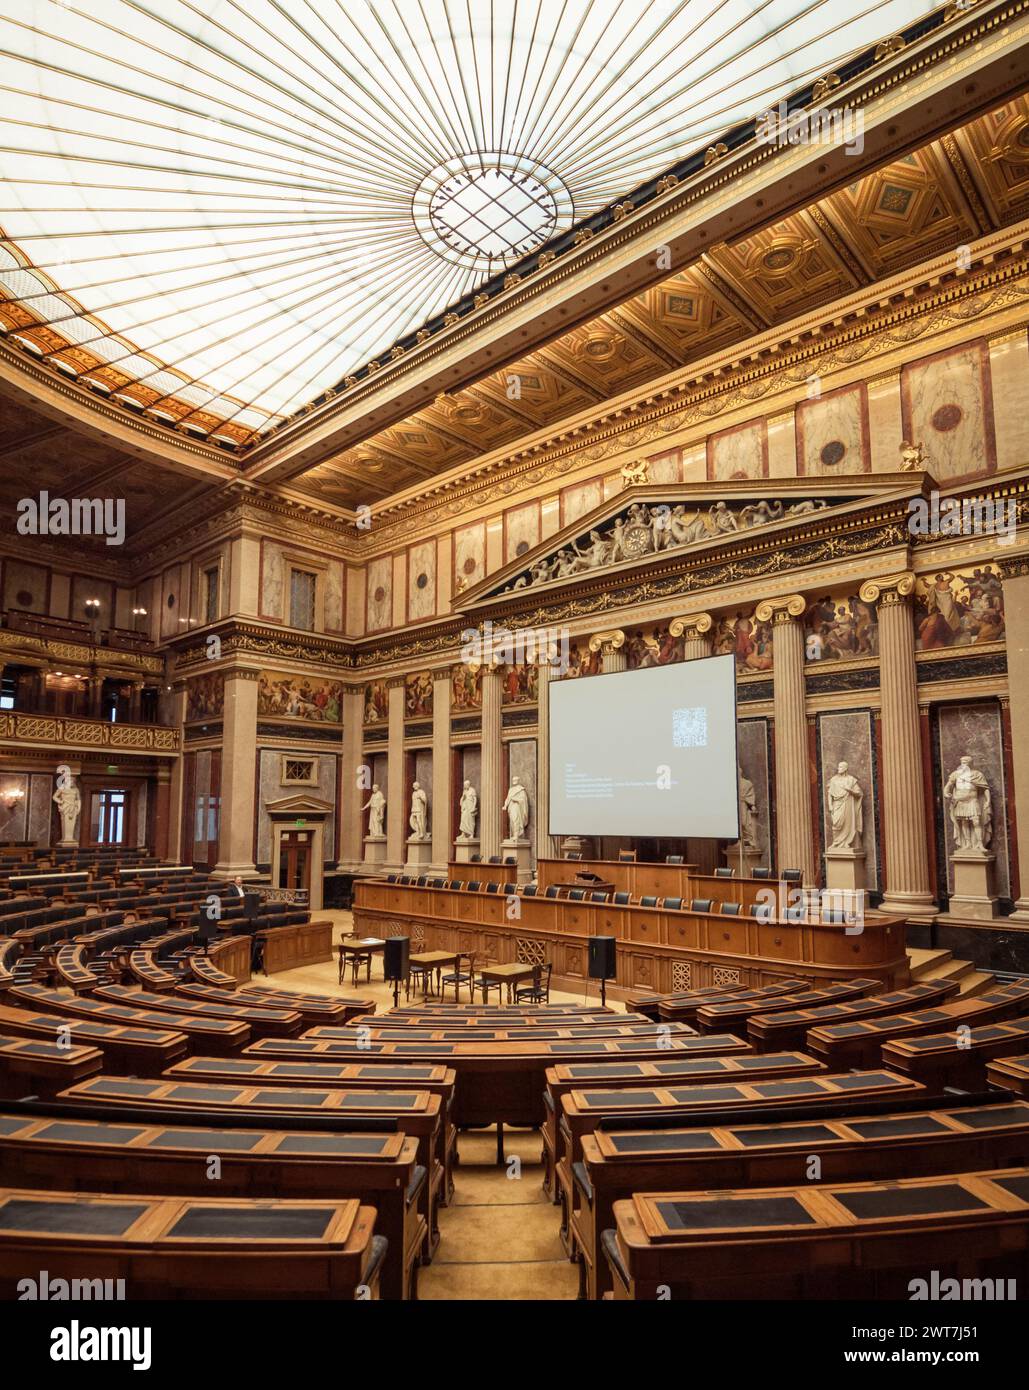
x=612, y=641
x=890, y=592
x=785, y=609
x=691, y=626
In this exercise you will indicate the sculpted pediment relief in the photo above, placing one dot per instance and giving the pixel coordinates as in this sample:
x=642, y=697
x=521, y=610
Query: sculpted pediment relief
x=649, y=523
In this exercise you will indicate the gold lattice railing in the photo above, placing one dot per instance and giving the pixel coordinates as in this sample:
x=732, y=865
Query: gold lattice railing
x=89, y=733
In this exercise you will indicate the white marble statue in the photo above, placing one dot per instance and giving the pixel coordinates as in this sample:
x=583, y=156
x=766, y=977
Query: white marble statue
x=376, y=808
x=748, y=813
x=69, y=804
x=845, y=799
x=516, y=804
x=469, y=810
x=967, y=794
x=419, y=821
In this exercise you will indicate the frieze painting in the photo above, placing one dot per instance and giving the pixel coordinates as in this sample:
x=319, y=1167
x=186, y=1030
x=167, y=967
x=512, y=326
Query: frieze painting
x=418, y=695
x=299, y=697
x=205, y=696
x=959, y=608
x=376, y=703
x=840, y=628
x=582, y=662
x=748, y=640
x=644, y=530
x=466, y=688
x=520, y=684
x=654, y=648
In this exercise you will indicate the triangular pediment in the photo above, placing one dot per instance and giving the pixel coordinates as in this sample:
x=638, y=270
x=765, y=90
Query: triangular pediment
x=300, y=805
x=650, y=523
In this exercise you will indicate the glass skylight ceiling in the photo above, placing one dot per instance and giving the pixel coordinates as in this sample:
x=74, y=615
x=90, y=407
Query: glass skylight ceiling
x=252, y=198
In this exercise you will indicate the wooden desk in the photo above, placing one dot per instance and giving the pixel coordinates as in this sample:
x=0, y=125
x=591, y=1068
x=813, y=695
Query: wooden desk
x=588, y=885
x=485, y=873
x=355, y=947
x=508, y=975
x=636, y=877
x=435, y=960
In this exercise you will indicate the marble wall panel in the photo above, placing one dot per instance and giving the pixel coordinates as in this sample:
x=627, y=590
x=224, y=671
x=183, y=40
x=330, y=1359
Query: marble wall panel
x=846, y=736
x=521, y=530
x=40, y=809
x=579, y=499
x=947, y=408
x=752, y=737
x=272, y=788
x=741, y=452
x=974, y=729
x=832, y=433
x=421, y=581
x=469, y=556
x=379, y=601
x=522, y=763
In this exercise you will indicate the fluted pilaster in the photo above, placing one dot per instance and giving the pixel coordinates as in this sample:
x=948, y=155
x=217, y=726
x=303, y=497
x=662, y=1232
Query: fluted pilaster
x=1015, y=571
x=238, y=775
x=545, y=848
x=905, y=819
x=442, y=789
x=490, y=792
x=796, y=849
x=396, y=814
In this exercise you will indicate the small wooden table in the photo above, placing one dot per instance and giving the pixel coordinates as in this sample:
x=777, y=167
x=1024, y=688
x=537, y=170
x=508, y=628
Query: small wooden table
x=356, y=949
x=508, y=975
x=434, y=960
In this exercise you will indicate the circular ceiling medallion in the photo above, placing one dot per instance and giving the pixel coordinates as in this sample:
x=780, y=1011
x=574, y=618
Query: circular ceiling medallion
x=833, y=452
x=469, y=414
x=947, y=417
x=600, y=346
x=487, y=210
x=779, y=259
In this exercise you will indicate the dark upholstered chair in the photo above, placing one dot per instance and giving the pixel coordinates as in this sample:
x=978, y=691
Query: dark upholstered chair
x=700, y=904
x=730, y=909
x=724, y=873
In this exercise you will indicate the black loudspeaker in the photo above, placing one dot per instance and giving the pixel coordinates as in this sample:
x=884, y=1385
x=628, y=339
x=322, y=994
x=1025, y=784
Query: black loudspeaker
x=602, y=958
x=396, y=957
x=251, y=906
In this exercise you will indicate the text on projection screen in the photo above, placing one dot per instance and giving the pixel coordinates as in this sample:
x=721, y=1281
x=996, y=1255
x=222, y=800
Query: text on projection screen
x=646, y=752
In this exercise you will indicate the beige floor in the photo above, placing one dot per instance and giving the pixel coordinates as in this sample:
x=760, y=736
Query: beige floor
x=496, y=1211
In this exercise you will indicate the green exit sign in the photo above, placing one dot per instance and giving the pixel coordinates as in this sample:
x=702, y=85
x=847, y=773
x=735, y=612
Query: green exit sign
x=300, y=823
x=112, y=767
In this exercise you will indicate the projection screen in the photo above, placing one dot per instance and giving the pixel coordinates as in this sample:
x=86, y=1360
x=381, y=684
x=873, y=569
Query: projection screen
x=649, y=752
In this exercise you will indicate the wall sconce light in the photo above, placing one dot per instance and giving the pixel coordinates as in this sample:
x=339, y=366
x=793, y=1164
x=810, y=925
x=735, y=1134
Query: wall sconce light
x=10, y=796
x=139, y=612
x=92, y=608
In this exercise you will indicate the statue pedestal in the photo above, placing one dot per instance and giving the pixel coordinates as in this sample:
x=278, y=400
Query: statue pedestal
x=522, y=851
x=375, y=849
x=973, y=894
x=464, y=849
x=751, y=859
x=67, y=844
x=419, y=852
x=845, y=869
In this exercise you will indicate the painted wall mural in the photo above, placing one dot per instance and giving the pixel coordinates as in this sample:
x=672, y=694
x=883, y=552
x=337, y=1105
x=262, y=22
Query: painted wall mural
x=747, y=639
x=418, y=695
x=840, y=628
x=520, y=685
x=466, y=688
x=656, y=647
x=205, y=696
x=582, y=662
x=376, y=703
x=959, y=608
x=282, y=696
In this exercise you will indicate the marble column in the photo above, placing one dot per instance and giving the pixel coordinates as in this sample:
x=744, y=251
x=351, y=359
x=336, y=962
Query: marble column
x=355, y=788
x=796, y=836
x=695, y=631
x=906, y=822
x=491, y=794
x=442, y=778
x=238, y=776
x=396, y=814
x=545, y=845
x=611, y=646
x=1015, y=571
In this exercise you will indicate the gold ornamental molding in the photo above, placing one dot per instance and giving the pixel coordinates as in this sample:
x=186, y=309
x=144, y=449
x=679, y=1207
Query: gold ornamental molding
x=89, y=733
x=890, y=591
x=781, y=610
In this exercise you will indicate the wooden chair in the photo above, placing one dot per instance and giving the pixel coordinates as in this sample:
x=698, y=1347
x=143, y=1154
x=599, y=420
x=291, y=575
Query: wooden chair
x=487, y=985
x=458, y=977
x=627, y=856
x=538, y=991
x=419, y=974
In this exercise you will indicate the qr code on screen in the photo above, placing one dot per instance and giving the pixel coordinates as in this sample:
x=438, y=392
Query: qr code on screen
x=689, y=728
